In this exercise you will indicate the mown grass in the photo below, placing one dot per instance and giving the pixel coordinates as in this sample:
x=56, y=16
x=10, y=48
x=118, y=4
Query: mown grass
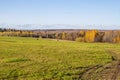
x=45, y=59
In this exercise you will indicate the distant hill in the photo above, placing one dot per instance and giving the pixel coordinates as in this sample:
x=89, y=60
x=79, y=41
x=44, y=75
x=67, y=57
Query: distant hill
x=57, y=26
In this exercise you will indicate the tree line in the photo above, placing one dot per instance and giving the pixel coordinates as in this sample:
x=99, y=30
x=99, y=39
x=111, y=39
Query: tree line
x=112, y=36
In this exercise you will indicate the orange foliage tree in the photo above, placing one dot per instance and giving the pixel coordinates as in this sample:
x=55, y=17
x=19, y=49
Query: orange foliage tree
x=90, y=35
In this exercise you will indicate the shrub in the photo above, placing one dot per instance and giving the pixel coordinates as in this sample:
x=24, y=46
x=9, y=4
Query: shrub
x=80, y=39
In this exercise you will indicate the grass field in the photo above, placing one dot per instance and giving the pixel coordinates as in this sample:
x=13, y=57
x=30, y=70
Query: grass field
x=45, y=59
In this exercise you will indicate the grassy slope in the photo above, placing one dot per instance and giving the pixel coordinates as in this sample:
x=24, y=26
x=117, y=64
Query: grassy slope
x=31, y=59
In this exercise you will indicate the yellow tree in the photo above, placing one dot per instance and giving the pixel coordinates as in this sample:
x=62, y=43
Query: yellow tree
x=63, y=35
x=90, y=35
x=82, y=33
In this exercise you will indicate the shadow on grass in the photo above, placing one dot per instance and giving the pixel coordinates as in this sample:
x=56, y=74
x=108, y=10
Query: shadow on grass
x=16, y=60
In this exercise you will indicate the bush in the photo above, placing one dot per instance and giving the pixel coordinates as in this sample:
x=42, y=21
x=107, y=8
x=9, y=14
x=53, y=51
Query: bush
x=80, y=39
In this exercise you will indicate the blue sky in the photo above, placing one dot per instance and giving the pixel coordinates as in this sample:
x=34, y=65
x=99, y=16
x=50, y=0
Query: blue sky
x=83, y=12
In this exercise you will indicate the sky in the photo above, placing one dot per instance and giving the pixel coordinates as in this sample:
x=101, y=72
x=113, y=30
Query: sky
x=72, y=12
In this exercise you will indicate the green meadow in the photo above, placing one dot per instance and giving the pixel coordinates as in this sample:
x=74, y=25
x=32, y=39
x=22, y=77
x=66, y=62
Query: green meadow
x=47, y=59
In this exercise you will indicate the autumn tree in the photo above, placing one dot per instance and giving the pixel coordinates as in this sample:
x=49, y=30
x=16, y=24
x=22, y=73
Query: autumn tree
x=99, y=36
x=116, y=37
x=90, y=35
x=63, y=35
x=82, y=33
x=57, y=36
